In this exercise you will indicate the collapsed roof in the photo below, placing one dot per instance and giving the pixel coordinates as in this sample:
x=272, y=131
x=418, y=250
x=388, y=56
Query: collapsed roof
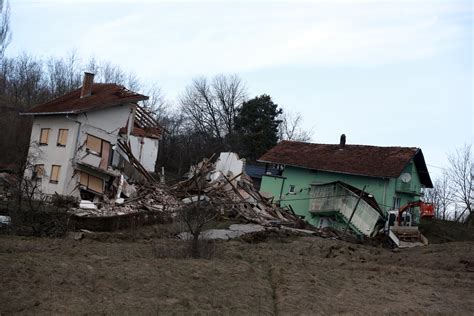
x=372, y=161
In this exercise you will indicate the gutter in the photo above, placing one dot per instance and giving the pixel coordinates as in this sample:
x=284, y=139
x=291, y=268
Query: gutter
x=47, y=113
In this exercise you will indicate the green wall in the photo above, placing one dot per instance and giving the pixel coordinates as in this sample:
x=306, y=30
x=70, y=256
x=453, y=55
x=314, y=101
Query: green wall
x=383, y=189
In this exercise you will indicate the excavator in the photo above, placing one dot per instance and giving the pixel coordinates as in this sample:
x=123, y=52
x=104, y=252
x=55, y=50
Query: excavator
x=403, y=229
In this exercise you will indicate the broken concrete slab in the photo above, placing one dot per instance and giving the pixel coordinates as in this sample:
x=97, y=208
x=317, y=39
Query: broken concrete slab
x=87, y=205
x=234, y=231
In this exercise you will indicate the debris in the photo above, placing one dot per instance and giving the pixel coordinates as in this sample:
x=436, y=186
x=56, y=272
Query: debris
x=225, y=183
x=78, y=235
x=5, y=220
x=196, y=198
x=87, y=205
x=149, y=197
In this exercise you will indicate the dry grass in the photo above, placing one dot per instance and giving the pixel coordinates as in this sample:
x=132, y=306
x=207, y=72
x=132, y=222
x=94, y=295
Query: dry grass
x=275, y=276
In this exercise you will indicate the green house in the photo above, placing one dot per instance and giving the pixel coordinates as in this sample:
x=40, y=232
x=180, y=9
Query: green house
x=393, y=176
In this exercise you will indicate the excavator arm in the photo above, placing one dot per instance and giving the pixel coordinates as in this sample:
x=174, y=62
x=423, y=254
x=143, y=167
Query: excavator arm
x=426, y=210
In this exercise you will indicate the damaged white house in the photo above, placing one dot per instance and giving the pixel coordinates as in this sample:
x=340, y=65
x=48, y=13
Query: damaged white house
x=75, y=140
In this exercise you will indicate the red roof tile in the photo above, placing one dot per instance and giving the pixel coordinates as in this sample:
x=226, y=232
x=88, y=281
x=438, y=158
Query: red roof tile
x=364, y=160
x=103, y=95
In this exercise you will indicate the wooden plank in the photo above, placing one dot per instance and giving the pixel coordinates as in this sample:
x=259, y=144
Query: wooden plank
x=94, y=143
x=96, y=184
x=104, y=162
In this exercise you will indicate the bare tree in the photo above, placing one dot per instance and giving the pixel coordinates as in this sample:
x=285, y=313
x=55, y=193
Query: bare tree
x=440, y=196
x=5, y=33
x=156, y=103
x=64, y=75
x=211, y=107
x=27, y=191
x=109, y=73
x=460, y=175
x=193, y=217
x=290, y=128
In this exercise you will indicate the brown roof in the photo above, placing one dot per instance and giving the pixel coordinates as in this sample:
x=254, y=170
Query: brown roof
x=103, y=95
x=373, y=161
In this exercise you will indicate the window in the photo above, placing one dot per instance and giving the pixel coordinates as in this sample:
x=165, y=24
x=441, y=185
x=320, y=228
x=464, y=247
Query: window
x=38, y=173
x=92, y=183
x=94, y=145
x=62, y=137
x=44, y=136
x=396, y=202
x=291, y=189
x=55, y=169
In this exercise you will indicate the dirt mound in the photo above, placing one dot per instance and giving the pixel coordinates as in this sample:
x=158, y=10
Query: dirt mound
x=438, y=231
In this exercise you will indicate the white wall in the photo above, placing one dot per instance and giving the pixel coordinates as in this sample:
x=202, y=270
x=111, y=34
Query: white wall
x=52, y=154
x=104, y=124
x=145, y=150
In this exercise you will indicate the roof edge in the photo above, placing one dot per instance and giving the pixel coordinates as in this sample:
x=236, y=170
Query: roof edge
x=333, y=171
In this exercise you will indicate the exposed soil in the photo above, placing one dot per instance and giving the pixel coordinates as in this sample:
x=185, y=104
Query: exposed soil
x=438, y=231
x=284, y=276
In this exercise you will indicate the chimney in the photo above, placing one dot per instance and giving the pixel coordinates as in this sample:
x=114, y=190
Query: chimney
x=342, y=143
x=87, y=84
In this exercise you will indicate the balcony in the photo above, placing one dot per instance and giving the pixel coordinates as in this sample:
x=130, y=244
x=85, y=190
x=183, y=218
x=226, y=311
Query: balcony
x=408, y=188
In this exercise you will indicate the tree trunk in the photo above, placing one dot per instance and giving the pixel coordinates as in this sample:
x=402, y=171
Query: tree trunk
x=195, y=249
x=470, y=220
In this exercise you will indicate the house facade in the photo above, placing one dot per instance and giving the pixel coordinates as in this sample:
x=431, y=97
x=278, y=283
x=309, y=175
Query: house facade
x=393, y=176
x=74, y=139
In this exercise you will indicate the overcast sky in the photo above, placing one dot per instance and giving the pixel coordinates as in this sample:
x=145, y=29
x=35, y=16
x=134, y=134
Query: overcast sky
x=383, y=72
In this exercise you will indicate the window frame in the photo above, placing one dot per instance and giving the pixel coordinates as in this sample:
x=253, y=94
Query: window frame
x=93, y=152
x=397, y=201
x=87, y=186
x=51, y=180
x=59, y=137
x=47, y=136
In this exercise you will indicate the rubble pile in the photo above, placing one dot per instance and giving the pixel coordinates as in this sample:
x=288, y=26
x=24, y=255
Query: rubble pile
x=226, y=184
x=149, y=197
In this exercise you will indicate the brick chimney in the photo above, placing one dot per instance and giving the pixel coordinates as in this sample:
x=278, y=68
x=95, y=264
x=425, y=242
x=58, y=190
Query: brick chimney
x=87, y=84
x=342, y=142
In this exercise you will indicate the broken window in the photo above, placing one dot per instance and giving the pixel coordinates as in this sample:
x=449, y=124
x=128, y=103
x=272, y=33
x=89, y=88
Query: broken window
x=55, y=169
x=44, y=136
x=38, y=172
x=91, y=182
x=62, y=137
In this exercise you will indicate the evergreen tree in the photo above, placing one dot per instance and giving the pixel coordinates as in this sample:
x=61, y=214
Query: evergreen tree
x=256, y=127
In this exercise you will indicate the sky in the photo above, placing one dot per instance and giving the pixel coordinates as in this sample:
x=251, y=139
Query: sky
x=385, y=73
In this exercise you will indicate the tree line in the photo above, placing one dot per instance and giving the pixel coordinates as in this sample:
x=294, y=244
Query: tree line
x=453, y=192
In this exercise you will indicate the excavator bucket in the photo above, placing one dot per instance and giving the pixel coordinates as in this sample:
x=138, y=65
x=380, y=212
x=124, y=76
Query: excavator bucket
x=426, y=210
